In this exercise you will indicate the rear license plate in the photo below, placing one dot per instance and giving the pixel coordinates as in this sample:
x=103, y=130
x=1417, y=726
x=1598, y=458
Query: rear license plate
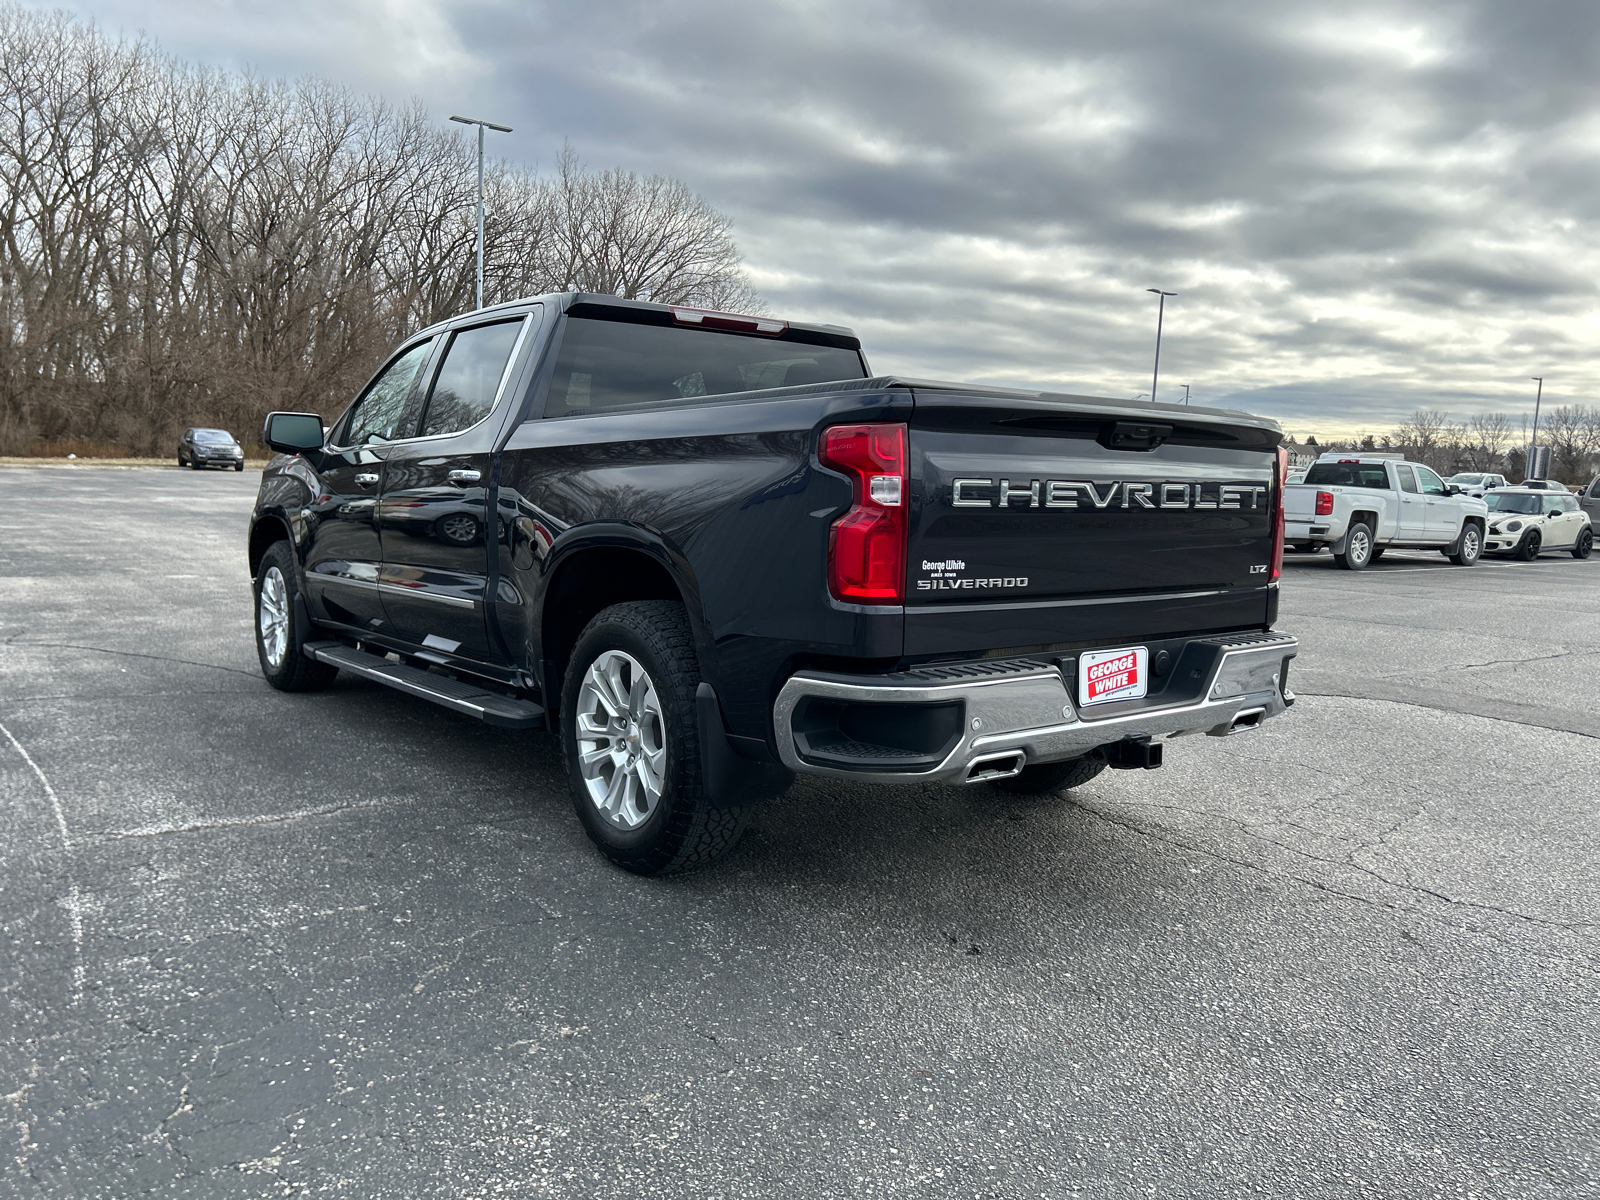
x=1106, y=675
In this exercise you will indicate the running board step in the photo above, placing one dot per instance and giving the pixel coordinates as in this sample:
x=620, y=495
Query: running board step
x=489, y=707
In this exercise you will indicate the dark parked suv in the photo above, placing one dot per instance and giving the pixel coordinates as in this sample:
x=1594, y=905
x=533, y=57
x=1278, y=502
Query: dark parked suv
x=712, y=551
x=210, y=448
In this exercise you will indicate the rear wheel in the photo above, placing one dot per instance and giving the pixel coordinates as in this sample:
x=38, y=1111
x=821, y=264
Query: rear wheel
x=1042, y=778
x=1468, y=546
x=1584, y=544
x=632, y=745
x=1358, y=548
x=1377, y=553
x=282, y=628
x=1528, y=548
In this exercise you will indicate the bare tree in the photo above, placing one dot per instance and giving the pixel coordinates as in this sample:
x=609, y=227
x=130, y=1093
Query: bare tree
x=182, y=245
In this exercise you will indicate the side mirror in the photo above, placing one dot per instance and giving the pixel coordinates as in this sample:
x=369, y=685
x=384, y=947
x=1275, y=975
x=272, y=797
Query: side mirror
x=1452, y=489
x=1554, y=512
x=292, y=433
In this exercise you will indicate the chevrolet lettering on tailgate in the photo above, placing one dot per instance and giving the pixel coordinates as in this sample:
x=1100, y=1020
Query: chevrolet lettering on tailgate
x=1077, y=493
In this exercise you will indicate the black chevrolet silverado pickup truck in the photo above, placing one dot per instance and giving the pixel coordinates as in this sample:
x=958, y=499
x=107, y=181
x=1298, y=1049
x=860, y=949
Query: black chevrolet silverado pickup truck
x=711, y=550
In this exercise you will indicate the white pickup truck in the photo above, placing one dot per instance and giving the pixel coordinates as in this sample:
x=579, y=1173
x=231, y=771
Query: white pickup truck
x=1360, y=505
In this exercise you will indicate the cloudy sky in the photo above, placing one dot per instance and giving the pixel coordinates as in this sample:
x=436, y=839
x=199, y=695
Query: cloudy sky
x=1363, y=209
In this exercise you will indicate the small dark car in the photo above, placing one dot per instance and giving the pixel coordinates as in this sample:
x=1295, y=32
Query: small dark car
x=210, y=448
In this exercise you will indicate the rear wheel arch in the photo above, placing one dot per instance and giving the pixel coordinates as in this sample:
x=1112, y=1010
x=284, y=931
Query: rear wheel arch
x=590, y=579
x=1365, y=517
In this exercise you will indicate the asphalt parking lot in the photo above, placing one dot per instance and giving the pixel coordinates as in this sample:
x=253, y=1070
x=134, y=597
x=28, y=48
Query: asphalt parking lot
x=350, y=944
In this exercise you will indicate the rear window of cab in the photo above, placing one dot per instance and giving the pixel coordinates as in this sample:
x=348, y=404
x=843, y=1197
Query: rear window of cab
x=617, y=364
x=1362, y=475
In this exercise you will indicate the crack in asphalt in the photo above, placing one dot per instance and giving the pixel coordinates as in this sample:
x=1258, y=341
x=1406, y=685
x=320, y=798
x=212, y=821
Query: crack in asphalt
x=74, y=902
x=233, y=823
x=1432, y=893
x=188, y=662
x=1457, y=712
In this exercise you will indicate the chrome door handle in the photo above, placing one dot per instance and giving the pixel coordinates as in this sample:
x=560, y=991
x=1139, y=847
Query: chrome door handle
x=366, y=479
x=465, y=476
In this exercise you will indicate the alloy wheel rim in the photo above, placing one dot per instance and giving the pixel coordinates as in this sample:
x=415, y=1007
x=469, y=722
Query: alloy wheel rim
x=1470, y=546
x=272, y=616
x=1361, y=546
x=621, y=734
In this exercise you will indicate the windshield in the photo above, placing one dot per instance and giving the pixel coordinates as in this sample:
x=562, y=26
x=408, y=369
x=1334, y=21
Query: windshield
x=609, y=364
x=1467, y=479
x=1362, y=475
x=212, y=435
x=1514, y=502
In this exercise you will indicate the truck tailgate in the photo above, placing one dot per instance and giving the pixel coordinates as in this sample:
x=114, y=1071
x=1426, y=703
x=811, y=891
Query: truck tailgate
x=1043, y=522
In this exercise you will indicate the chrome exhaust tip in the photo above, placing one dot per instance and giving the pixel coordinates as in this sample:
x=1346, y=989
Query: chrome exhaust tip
x=990, y=767
x=1249, y=718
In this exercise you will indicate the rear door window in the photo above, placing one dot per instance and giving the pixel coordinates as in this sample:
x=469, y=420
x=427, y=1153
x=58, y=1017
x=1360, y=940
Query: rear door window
x=1408, y=481
x=617, y=364
x=468, y=381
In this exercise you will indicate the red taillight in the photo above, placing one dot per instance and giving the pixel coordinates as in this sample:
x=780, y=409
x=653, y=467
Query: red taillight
x=1324, y=504
x=867, y=546
x=1277, y=513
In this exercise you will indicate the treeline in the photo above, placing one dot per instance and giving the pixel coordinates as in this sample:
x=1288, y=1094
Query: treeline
x=182, y=245
x=1490, y=442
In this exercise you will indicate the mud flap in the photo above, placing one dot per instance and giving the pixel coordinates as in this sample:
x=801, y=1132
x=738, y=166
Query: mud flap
x=729, y=779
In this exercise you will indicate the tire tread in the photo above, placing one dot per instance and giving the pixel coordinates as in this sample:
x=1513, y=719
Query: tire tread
x=696, y=834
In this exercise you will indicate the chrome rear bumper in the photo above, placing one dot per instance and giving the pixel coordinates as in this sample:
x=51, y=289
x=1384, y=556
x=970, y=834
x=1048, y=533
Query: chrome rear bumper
x=1018, y=712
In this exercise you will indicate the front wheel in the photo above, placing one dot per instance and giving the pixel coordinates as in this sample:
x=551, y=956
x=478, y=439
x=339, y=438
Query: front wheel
x=1584, y=544
x=1357, y=548
x=1528, y=548
x=282, y=628
x=632, y=744
x=1043, y=778
x=1468, y=547
x=238, y=466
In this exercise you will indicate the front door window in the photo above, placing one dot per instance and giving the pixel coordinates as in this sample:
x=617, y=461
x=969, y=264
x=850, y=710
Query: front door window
x=377, y=415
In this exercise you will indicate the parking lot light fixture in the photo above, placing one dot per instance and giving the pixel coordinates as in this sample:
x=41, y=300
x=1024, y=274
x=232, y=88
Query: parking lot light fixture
x=482, y=125
x=1161, y=312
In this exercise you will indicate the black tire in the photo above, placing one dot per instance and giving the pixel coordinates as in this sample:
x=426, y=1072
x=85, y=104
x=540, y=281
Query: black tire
x=1358, y=548
x=1584, y=545
x=1468, y=547
x=681, y=831
x=291, y=671
x=180, y=460
x=194, y=464
x=1528, y=548
x=1042, y=778
x=238, y=466
x=1377, y=553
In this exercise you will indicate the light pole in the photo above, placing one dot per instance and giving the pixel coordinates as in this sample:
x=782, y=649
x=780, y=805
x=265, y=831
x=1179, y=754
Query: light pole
x=1185, y=392
x=482, y=125
x=1527, y=466
x=1160, y=314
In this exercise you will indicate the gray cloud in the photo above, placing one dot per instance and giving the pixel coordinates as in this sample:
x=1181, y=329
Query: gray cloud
x=1364, y=208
